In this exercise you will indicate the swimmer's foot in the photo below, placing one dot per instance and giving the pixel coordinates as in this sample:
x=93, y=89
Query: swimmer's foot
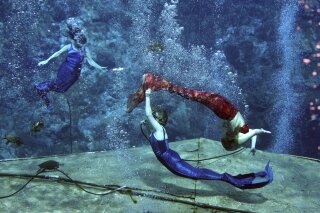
x=261, y=179
x=250, y=180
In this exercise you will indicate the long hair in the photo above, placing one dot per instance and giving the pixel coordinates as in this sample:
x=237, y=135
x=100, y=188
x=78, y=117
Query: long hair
x=160, y=114
x=229, y=140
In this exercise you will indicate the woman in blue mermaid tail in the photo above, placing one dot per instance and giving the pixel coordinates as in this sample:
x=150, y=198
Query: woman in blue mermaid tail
x=70, y=69
x=158, y=139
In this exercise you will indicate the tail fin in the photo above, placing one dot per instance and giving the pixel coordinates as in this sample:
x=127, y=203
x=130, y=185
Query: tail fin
x=134, y=100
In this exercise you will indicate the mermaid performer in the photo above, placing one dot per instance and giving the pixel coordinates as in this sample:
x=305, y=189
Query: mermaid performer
x=70, y=69
x=238, y=131
x=171, y=160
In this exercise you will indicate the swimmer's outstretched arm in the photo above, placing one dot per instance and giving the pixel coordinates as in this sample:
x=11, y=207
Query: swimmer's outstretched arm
x=92, y=62
x=242, y=138
x=158, y=128
x=54, y=55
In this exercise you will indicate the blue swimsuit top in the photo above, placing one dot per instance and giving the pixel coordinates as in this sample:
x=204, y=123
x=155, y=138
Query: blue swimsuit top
x=158, y=147
x=75, y=56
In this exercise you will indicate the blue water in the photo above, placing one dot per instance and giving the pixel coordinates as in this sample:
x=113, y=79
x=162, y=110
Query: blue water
x=249, y=51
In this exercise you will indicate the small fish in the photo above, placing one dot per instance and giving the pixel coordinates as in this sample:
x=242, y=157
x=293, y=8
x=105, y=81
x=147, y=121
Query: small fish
x=13, y=139
x=155, y=47
x=37, y=126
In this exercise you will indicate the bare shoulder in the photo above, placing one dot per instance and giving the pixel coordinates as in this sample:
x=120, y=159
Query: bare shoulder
x=87, y=50
x=67, y=46
x=160, y=134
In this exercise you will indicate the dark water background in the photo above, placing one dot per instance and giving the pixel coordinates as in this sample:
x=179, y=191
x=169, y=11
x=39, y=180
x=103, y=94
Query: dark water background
x=263, y=55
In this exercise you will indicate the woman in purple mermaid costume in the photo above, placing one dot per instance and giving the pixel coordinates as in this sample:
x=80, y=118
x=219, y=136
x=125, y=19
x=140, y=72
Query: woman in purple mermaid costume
x=70, y=69
x=157, y=119
x=237, y=130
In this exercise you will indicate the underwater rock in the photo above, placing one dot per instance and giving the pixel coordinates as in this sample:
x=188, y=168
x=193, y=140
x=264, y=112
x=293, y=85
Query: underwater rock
x=156, y=189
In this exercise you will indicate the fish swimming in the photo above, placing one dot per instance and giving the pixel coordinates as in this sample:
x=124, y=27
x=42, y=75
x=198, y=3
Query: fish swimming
x=155, y=47
x=13, y=139
x=37, y=126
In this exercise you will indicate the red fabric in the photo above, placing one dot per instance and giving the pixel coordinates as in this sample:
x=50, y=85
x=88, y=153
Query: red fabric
x=244, y=129
x=222, y=107
x=217, y=103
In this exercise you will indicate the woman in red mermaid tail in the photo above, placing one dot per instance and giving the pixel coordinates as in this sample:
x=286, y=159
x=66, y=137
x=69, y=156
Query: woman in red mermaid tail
x=238, y=131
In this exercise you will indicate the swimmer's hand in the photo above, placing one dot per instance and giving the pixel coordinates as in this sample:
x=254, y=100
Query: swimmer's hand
x=260, y=131
x=103, y=68
x=253, y=151
x=41, y=63
x=148, y=92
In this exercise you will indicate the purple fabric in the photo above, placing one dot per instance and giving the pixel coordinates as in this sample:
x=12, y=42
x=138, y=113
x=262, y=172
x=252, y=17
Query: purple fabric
x=68, y=74
x=172, y=161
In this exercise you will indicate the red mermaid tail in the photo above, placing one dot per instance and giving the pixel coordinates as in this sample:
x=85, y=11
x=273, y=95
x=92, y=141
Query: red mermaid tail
x=134, y=100
x=215, y=102
x=151, y=81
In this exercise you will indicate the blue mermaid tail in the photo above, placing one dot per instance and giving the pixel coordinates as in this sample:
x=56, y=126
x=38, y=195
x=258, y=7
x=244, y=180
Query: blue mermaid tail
x=173, y=162
x=67, y=75
x=42, y=90
x=254, y=180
